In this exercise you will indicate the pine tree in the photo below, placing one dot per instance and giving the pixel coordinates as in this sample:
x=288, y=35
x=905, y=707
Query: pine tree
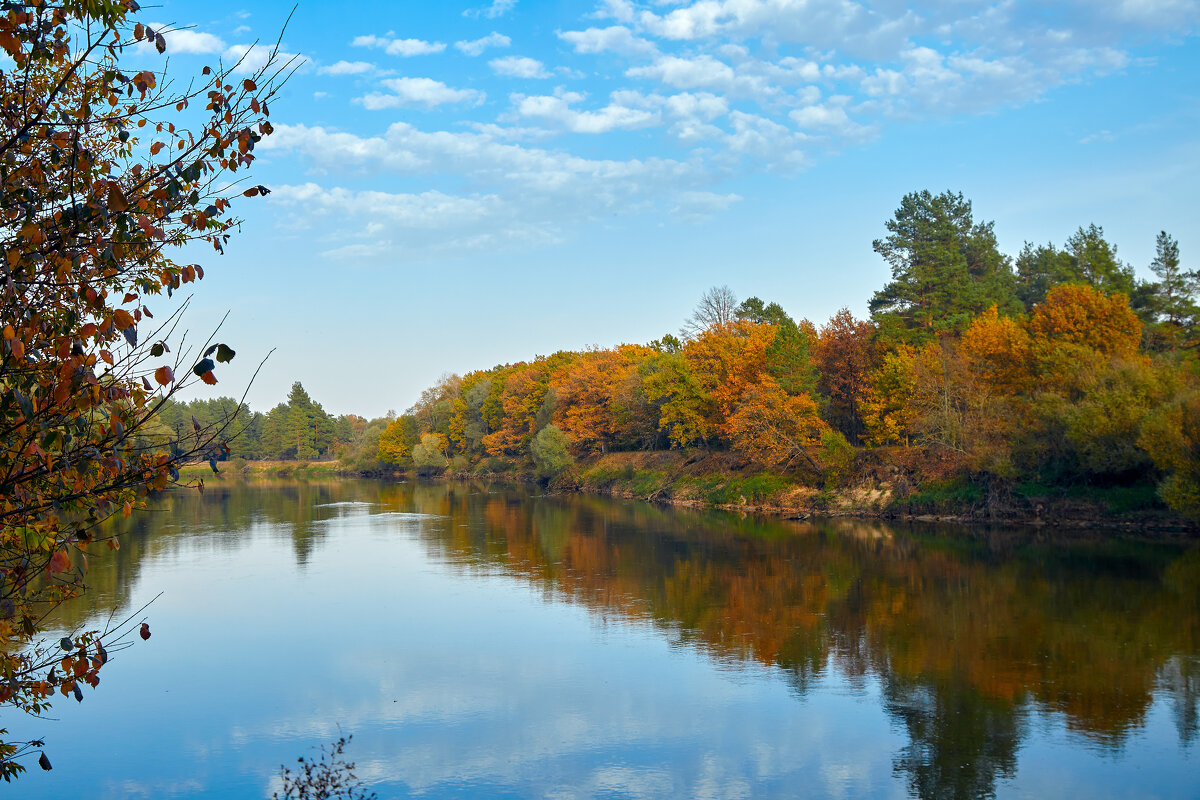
x=946, y=269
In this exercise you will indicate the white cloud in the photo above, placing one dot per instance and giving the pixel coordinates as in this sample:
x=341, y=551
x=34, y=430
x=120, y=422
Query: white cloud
x=426, y=210
x=518, y=67
x=374, y=225
x=346, y=68
x=702, y=206
x=485, y=159
x=620, y=10
x=557, y=109
x=840, y=24
x=527, y=195
x=498, y=8
x=705, y=72
x=399, y=47
x=830, y=117
x=1166, y=14
x=251, y=58
x=477, y=46
x=615, y=39
x=757, y=138
x=928, y=81
x=418, y=91
x=183, y=41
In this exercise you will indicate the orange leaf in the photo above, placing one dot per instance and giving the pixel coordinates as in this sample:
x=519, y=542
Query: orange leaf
x=209, y=378
x=249, y=85
x=59, y=562
x=163, y=375
x=116, y=200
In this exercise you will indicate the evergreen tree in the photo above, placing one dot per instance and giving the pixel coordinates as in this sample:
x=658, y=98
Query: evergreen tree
x=1173, y=297
x=1096, y=261
x=1040, y=269
x=789, y=356
x=945, y=269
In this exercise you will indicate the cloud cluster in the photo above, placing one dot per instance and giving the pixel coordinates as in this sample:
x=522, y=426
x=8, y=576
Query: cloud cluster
x=418, y=92
x=398, y=47
x=691, y=93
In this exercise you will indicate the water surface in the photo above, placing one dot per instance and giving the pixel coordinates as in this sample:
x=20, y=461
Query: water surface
x=483, y=643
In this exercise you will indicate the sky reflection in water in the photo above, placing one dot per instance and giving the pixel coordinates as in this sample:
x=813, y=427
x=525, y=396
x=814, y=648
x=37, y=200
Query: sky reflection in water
x=495, y=644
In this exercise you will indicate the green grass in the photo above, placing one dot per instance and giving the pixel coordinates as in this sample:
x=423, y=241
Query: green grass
x=1118, y=499
x=941, y=497
x=727, y=490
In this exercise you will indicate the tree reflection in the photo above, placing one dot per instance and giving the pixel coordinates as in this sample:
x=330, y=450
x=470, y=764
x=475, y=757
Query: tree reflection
x=960, y=740
x=965, y=630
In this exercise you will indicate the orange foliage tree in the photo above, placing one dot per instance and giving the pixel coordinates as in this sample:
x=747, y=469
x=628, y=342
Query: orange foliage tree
x=777, y=429
x=725, y=360
x=844, y=358
x=524, y=392
x=96, y=184
x=588, y=396
x=998, y=349
x=1080, y=315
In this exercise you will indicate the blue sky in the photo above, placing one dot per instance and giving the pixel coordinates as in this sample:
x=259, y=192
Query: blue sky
x=460, y=185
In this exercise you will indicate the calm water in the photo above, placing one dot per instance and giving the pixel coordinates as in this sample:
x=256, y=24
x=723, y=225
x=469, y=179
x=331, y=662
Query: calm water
x=498, y=644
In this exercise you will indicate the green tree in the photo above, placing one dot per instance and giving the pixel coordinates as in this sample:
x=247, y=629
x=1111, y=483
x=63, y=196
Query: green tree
x=1041, y=268
x=789, y=356
x=429, y=454
x=551, y=453
x=946, y=269
x=1173, y=296
x=1096, y=261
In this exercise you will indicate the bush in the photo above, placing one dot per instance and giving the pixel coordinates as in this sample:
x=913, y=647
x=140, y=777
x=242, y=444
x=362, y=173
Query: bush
x=430, y=455
x=550, y=453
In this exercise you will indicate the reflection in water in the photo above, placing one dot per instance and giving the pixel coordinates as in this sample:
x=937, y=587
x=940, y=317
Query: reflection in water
x=966, y=632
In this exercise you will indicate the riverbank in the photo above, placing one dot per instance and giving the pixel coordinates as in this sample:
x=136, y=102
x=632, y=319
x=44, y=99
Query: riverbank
x=882, y=484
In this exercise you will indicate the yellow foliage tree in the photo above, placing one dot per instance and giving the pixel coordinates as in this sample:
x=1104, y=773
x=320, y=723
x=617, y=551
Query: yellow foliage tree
x=1079, y=315
x=887, y=408
x=999, y=350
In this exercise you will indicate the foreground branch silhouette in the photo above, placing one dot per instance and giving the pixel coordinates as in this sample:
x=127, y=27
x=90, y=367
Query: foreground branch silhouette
x=104, y=169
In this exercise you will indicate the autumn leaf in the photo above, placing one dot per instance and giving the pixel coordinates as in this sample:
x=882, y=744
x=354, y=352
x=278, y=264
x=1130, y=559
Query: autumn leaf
x=164, y=375
x=117, y=202
x=59, y=562
x=144, y=631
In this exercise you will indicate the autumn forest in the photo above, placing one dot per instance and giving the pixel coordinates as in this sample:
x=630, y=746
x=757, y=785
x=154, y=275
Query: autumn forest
x=984, y=376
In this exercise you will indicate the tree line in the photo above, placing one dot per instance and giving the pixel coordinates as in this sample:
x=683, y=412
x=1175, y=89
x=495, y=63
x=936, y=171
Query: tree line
x=1058, y=367
x=298, y=429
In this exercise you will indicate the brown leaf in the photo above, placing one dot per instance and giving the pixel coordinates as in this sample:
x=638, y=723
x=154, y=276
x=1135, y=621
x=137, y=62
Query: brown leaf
x=116, y=200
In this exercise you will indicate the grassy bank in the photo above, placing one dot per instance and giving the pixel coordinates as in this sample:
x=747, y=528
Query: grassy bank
x=261, y=469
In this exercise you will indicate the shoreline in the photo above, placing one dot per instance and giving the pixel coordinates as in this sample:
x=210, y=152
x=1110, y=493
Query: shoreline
x=697, y=484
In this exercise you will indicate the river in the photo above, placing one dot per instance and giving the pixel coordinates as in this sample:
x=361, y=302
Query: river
x=483, y=642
